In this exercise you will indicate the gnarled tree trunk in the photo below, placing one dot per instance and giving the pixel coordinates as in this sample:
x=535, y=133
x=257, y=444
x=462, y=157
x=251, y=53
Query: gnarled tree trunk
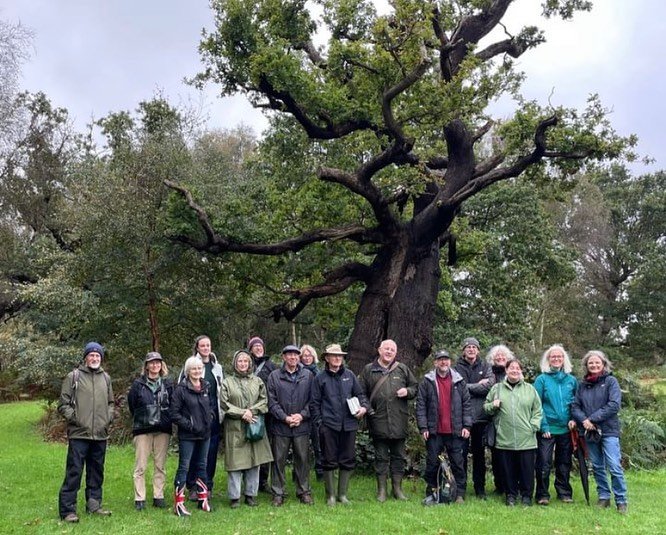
x=398, y=303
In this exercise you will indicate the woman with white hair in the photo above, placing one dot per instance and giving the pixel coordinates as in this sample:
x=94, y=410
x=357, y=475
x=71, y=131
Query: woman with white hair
x=596, y=407
x=192, y=412
x=309, y=358
x=516, y=409
x=497, y=357
x=556, y=388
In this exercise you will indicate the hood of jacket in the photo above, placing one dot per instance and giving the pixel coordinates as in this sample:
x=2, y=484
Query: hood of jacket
x=234, y=361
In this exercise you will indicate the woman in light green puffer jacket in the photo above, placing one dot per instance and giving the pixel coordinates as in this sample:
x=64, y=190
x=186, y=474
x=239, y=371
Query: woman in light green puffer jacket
x=516, y=410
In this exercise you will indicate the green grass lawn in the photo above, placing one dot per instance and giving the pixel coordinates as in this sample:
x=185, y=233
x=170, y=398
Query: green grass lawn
x=31, y=472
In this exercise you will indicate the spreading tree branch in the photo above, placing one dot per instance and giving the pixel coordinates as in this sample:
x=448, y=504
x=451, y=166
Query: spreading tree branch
x=488, y=165
x=365, y=188
x=475, y=27
x=284, y=101
x=482, y=131
x=513, y=47
x=335, y=282
x=391, y=93
x=496, y=174
x=215, y=243
x=470, y=30
x=313, y=54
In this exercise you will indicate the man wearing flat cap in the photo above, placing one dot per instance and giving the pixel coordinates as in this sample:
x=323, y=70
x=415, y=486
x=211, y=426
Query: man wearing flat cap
x=335, y=393
x=289, y=404
x=478, y=374
x=86, y=402
x=444, y=419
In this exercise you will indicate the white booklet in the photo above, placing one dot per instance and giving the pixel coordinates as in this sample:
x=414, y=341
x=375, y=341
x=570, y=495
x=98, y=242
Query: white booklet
x=354, y=405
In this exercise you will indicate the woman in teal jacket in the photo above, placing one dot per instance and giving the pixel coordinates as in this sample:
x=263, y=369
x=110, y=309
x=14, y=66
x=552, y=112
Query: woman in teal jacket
x=516, y=410
x=556, y=388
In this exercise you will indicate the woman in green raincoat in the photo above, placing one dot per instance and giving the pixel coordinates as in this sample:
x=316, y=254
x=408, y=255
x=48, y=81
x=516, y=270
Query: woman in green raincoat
x=243, y=398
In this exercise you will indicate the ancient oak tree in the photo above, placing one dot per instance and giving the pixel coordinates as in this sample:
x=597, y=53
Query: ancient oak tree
x=388, y=114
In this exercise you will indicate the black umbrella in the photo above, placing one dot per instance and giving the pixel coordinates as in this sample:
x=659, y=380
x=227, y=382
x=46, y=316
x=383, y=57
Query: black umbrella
x=581, y=454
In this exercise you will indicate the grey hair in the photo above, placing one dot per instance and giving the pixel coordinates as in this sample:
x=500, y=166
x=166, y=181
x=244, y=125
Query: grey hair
x=490, y=357
x=608, y=365
x=190, y=363
x=312, y=351
x=567, y=367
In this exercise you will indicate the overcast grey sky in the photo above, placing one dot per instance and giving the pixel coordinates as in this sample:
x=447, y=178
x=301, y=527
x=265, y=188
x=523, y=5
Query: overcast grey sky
x=97, y=56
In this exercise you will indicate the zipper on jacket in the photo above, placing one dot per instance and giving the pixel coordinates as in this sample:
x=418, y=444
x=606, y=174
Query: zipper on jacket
x=92, y=426
x=513, y=417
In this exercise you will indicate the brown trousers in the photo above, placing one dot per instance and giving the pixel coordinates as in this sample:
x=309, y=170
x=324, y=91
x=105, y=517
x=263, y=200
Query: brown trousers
x=158, y=445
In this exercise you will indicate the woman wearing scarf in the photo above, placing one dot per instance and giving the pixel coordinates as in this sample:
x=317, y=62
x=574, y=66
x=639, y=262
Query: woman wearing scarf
x=310, y=361
x=214, y=375
x=596, y=407
x=192, y=412
x=148, y=401
x=497, y=357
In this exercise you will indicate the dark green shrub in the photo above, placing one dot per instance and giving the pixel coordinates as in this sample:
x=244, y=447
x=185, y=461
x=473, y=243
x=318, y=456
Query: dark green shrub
x=365, y=452
x=10, y=389
x=634, y=393
x=643, y=437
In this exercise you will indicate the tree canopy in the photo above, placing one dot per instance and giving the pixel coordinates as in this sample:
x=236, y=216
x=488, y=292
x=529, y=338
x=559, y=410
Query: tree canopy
x=383, y=201
x=388, y=121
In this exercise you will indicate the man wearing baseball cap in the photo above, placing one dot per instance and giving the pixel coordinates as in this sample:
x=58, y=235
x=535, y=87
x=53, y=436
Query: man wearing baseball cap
x=444, y=419
x=478, y=374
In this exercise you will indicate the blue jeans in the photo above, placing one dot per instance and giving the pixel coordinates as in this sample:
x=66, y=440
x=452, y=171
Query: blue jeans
x=211, y=459
x=188, y=450
x=606, y=455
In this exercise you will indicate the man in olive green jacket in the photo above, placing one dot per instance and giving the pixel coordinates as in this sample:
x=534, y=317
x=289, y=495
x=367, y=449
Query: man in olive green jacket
x=86, y=403
x=388, y=385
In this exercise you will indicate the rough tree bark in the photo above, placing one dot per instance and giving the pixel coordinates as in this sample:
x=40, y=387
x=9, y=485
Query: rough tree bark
x=398, y=303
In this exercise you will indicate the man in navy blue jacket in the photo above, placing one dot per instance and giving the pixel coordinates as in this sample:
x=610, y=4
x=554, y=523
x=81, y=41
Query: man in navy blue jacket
x=337, y=425
x=289, y=404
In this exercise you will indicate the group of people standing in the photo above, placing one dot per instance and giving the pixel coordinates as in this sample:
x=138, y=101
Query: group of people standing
x=535, y=426
x=263, y=412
